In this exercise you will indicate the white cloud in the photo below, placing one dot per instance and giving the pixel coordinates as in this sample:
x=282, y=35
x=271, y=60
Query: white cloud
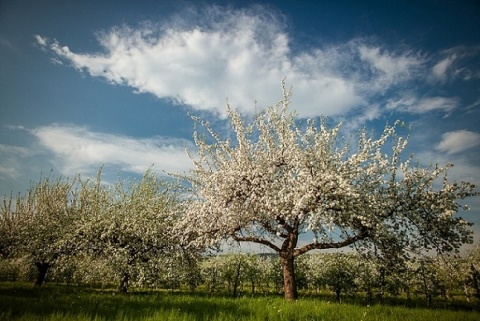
x=441, y=68
x=458, y=141
x=392, y=67
x=78, y=150
x=42, y=41
x=9, y=156
x=457, y=63
x=351, y=123
x=415, y=105
x=435, y=103
x=241, y=55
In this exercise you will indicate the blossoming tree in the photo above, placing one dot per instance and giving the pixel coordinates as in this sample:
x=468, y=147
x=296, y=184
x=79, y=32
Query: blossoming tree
x=40, y=223
x=129, y=225
x=279, y=179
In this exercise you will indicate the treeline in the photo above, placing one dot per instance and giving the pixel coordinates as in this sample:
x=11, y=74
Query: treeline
x=78, y=231
x=123, y=231
x=341, y=274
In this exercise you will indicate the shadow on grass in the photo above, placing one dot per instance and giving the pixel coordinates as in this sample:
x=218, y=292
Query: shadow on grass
x=414, y=302
x=18, y=301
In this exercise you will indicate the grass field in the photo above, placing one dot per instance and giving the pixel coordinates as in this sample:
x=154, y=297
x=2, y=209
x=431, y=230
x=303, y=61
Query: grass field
x=22, y=302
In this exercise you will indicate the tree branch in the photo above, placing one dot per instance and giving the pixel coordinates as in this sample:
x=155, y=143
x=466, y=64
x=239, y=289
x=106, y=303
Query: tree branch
x=266, y=225
x=332, y=245
x=256, y=240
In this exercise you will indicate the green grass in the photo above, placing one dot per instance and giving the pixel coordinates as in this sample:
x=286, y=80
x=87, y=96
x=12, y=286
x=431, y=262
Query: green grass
x=51, y=303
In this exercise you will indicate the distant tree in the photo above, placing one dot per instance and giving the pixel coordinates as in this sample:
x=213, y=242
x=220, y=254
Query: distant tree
x=232, y=272
x=278, y=179
x=314, y=265
x=369, y=277
x=211, y=272
x=128, y=224
x=473, y=269
x=270, y=278
x=178, y=266
x=43, y=221
x=252, y=271
x=427, y=276
x=340, y=273
x=8, y=234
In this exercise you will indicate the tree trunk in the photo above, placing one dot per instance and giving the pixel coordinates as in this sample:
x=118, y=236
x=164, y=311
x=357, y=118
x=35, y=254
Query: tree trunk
x=428, y=296
x=289, y=282
x=213, y=281
x=475, y=280
x=466, y=292
x=42, y=268
x=236, y=279
x=338, y=295
x=123, y=287
x=370, y=295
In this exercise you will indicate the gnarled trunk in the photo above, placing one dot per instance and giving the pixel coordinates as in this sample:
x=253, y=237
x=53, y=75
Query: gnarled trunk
x=42, y=268
x=289, y=282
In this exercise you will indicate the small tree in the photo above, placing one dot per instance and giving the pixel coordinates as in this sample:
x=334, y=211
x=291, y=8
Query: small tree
x=270, y=278
x=315, y=265
x=252, y=271
x=339, y=274
x=279, y=179
x=211, y=272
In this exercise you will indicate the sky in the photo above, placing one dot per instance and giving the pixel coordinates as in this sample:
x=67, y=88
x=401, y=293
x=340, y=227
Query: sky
x=86, y=84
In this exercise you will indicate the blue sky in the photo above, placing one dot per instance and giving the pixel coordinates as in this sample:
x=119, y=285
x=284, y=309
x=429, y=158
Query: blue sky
x=85, y=84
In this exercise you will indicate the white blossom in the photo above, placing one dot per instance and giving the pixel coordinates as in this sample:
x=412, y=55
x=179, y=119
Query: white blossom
x=281, y=179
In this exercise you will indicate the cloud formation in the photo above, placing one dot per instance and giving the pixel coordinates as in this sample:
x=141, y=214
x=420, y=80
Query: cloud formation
x=418, y=105
x=76, y=149
x=389, y=67
x=452, y=64
x=458, y=141
x=10, y=167
x=209, y=56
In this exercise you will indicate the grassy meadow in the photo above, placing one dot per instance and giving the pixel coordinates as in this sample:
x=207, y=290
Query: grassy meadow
x=22, y=302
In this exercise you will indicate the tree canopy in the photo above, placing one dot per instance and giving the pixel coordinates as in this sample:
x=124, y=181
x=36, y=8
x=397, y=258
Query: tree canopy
x=129, y=224
x=280, y=178
x=36, y=225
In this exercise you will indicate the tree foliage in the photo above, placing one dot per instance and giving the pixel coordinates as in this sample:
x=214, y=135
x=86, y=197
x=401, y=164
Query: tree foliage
x=123, y=230
x=37, y=224
x=278, y=179
x=130, y=224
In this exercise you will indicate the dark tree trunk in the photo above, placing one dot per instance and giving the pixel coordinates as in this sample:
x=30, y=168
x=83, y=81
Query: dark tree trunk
x=370, y=295
x=289, y=282
x=475, y=280
x=338, y=295
x=213, y=282
x=123, y=287
x=428, y=295
x=42, y=268
x=381, y=292
x=236, y=280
